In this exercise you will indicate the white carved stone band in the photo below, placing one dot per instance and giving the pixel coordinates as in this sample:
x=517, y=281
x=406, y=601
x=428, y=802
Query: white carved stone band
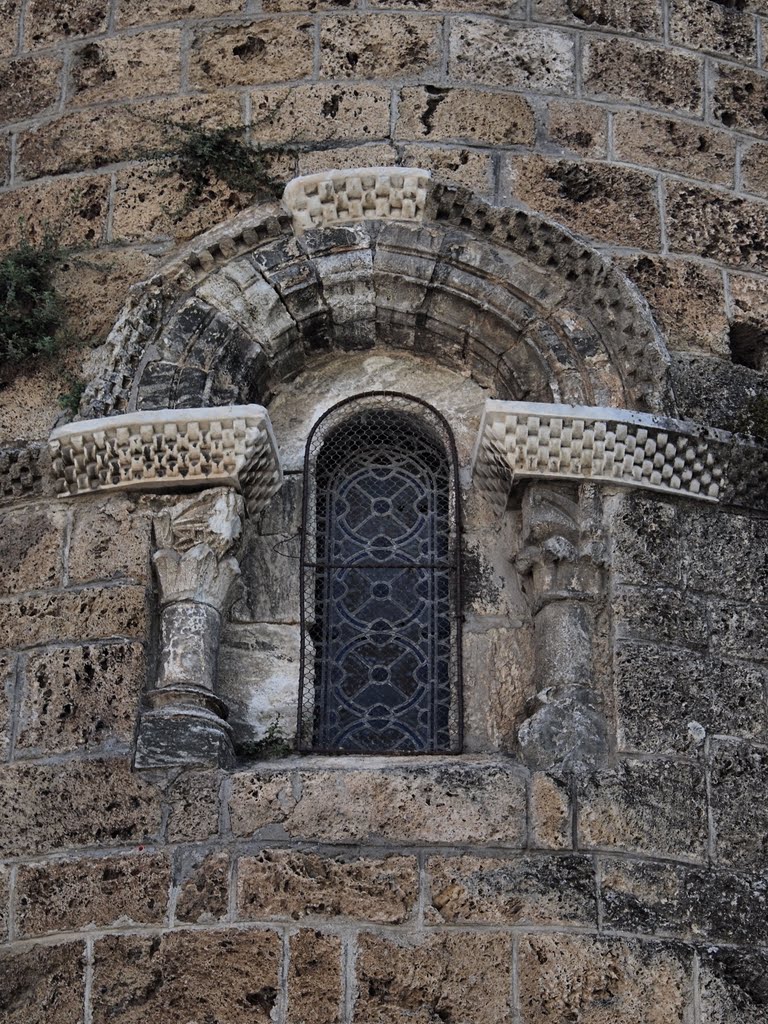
x=169, y=450
x=523, y=439
x=379, y=193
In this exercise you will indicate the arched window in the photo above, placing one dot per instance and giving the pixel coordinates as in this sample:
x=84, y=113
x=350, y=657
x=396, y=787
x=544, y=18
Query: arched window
x=381, y=649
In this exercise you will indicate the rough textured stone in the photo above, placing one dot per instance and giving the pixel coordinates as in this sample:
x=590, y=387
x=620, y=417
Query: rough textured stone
x=550, y=811
x=139, y=65
x=623, y=15
x=734, y=986
x=77, y=803
x=41, y=984
x=739, y=630
x=203, y=887
x=740, y=99
x=466, y=167
x=9, y=25
x=28, y=86
x=110, y=539
x=666, y=696
x=277, y=884
x=725, y=553
x=715, y=28
x=75, y=209
x=655, y=807
x=386, y=801
x=577, y=127
x=496, y=54
x=620, y=70
x=738, y=780
x=379, y=46
x=595, y=981
x=660, y=613
x=194, y=806
x=83, y=139
x=471, y=115
x=610, y=204
x=141, y=978
x=686, y=902
x=46, y=24
x=670, y=144
x=271, y=589
x=31, y=548
x=754, y=169
x=501, y=8
x=68, y=896
x=5, y=889
x=451, y=976
x=749, y=296
x=687, y=300
x=717, y=226
x=528, y=890
x=320, y=113
x=373, y=155
x=314, y=978
x=144, y=12
x=262, y=51
x=92, y=614
x=711, y=390
x=80, y=697
x=7, y=689
x=496, y=667
x=646, y=539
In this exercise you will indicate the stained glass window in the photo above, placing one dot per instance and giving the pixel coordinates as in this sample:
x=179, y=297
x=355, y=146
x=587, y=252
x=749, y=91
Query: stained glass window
x=380, y=638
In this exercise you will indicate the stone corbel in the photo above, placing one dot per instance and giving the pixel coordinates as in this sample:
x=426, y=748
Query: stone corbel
x=565, y=559
x=185, y=722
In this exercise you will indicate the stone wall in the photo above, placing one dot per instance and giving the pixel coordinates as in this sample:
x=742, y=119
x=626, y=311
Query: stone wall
x=639, y=126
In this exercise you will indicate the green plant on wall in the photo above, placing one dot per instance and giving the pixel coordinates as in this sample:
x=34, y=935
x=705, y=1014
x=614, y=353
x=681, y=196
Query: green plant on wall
x=32, y=317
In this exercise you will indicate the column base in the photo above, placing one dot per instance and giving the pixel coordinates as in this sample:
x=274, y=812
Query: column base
x=183, y=738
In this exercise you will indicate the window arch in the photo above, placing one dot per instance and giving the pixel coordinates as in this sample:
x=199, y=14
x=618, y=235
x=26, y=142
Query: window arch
x=381, y=645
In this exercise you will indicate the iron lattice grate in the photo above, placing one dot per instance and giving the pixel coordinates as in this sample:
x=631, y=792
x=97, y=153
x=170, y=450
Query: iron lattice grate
x=381, y=646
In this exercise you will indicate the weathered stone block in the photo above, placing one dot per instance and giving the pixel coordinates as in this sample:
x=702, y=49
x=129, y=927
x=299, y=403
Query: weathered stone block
x=670, y=144
x=754, y=169
x=659, y=613
x=687, y=300
x=41, y=984
x=280, y=884
x=144, y=12
x=668, y=698
x=623, y=15
x=379, y=46
x=725, y=553
x=700, y=903
x=655, y=807
x=739, y=630
x=610, y=204
x=578, y=127
x=110, y=539
x=7, y=690
x=740, y=99
x=646, y=538
x=738, y=783
x=24, y=212
x=714, y=28
x=374, y=155
x=109, y=69
x=227, y=976
x=194, y=806
x=493, y=53
x=9, y=26
x=733, y=985
x=261, y=51
x=320, y=113
x=31, y=548
x=78, y=803
x=470, y=115
x=5, y=894
x=270, y=578
x=68, y=896
x=550, y=812
x=203, y=886
x=466, y=167
x=526, y=890
x=596, y=981
x=46, y=25
x=496, y=664
x=460, y=802
x=28, y=86
x=716, y=226
x=92, y=614
x=314, y=978
x=450, y=976
x=75, y=697
x=618, y=69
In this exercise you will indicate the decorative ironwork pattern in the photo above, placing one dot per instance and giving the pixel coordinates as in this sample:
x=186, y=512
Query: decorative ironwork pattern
x=381, y=653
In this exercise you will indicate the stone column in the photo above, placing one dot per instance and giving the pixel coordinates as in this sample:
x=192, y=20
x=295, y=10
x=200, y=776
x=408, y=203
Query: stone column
x=185, y=722
x=565, y=559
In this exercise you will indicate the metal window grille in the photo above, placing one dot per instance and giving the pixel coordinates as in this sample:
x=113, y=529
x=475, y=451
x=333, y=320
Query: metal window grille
x=381, y=585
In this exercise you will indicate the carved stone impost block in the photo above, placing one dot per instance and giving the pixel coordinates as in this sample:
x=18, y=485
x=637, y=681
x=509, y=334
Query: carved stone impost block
x=185, y=722
x=168, y=450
